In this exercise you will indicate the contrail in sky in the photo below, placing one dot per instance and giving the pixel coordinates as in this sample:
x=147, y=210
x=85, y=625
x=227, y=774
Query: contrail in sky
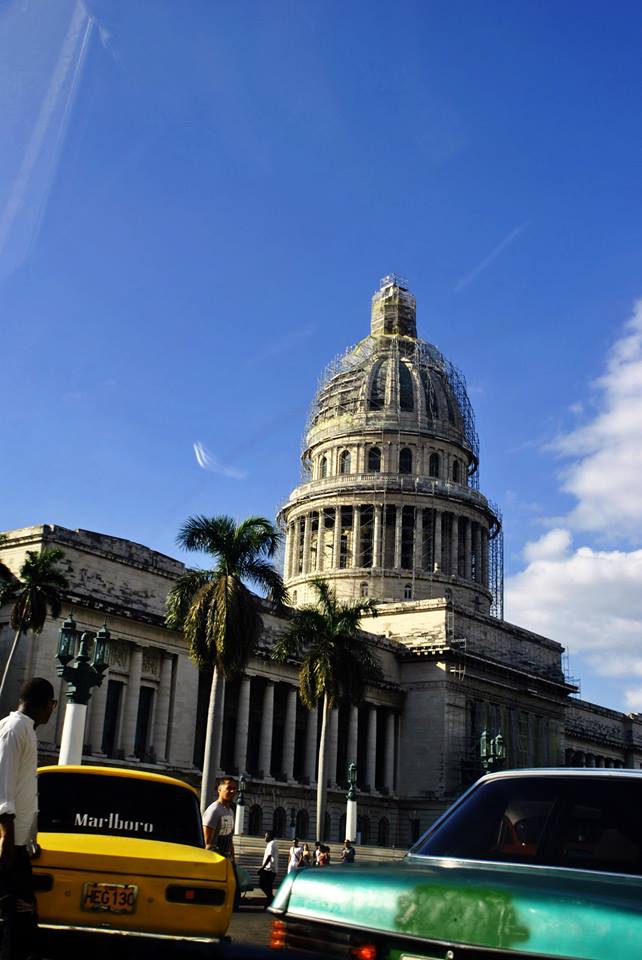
x=506, y=242
x=71, y=59
x=207, y=461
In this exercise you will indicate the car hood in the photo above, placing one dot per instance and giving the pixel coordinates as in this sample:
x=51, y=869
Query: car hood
x=108, y=854
x=551, y=911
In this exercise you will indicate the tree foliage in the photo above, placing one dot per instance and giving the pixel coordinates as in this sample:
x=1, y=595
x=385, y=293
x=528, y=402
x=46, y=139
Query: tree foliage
x=335, y=660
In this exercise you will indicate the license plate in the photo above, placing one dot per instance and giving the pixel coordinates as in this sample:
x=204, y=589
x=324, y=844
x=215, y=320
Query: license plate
x=110, y=897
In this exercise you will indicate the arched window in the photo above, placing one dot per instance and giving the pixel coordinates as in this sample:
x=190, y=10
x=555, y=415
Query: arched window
x=405, y=460
x=456, y=471
x=278, y=822
x=407, y=592
x=344, y=462
x=363, y=827
x=378, y=387
x=342, y=827
x=364, y=589
x=406, y=391
x=383, y=832
x=294, y=597
x=302, y=824
x=255, y=821
x=374, y=460
x=323, y=467
x=327, y=826
x=433, y=465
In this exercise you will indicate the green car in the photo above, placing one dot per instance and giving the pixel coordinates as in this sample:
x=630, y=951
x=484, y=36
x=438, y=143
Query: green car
x=527, y=863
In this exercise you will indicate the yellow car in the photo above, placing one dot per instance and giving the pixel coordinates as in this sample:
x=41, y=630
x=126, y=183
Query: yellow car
x=123, y=852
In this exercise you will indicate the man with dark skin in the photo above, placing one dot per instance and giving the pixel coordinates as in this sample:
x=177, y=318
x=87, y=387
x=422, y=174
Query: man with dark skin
x=18, y=812
x=218, y=827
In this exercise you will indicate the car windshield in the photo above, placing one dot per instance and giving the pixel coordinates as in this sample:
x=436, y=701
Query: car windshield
x=555, y=821
x=118, y=806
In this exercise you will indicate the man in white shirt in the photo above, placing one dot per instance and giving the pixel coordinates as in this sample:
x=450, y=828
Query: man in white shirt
x=218, y=827
x=18, y=816
x=269, y=867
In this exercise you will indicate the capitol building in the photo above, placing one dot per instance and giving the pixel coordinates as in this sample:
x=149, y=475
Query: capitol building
x=389, y=507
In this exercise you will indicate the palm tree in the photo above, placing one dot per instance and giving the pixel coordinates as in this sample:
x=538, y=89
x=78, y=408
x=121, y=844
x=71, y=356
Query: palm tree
x=335, y=661
x=218, y=614
x=38, y=588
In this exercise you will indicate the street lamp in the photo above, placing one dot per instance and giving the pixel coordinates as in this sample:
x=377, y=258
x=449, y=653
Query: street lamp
x=87, y=672
x=351, y=804
x=492, y=751
x=239, y=818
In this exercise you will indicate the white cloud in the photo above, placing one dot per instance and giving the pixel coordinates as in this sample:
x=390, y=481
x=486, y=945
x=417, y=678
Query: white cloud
x=207, y=461
x=605, y=476
x=590, y=600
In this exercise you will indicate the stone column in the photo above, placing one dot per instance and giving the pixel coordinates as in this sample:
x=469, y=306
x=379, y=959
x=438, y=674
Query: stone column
x=454, y=546
x=353, y=734
x=397, y=562
x=389, y=755
x=437, y=542
x=97, y=719
x=484, y=558
x=289, y=735
x=356, y=536
x=321, y=539
x=478, y=553
x=132, y=696
x=469, y=549
x=287, y=559
x=311, y=746
x=419, y=539
x=307, y=530
x=336, y=547
x=376, y=539
x=333, y=741
x=371, y=747
x=242, y=725
x=267, y=720
x=161, y=720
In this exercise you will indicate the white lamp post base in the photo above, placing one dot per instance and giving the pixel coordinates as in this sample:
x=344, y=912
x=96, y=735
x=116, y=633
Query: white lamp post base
x=73, y=734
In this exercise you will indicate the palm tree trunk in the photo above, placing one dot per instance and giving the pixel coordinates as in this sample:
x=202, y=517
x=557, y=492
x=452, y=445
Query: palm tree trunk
x=322, y=776
x=9, y=663
x=213, y=734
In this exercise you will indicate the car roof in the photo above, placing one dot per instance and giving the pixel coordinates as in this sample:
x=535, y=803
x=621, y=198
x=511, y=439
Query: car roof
x=118, y=772
x=574, y=772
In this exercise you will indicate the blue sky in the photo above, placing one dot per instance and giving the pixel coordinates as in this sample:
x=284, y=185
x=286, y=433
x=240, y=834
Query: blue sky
x=198, y=199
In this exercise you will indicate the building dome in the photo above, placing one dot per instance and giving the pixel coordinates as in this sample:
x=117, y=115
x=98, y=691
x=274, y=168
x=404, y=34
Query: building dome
x=392, y=380
x=390, y=505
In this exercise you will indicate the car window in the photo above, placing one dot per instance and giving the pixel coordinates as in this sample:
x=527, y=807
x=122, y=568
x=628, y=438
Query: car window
x=118, y=806
x=591, y=824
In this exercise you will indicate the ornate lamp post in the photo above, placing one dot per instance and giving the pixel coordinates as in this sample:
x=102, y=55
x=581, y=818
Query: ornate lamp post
x=86, y=672
x=492, y=751
x=239, y=819
x=351, y=804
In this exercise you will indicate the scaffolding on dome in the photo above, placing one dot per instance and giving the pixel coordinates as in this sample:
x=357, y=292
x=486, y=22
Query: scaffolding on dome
x=341, y=394
x=339, y=391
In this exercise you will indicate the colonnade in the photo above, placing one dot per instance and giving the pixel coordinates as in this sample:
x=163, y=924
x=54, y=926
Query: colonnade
x=391, y=536
x=272, y=753
x=580, y=758
x=122, y=710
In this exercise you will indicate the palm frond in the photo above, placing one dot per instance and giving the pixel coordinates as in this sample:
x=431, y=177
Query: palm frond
x=182, y=594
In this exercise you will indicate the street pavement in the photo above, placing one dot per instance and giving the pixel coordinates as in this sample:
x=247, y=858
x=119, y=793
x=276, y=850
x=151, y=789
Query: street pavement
x=251, y=923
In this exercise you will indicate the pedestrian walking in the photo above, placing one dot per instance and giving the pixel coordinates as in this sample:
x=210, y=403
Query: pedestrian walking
x=18, y=817
x=269, y=868
x=348, y=853
x=218, y=826
x=296, y=853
